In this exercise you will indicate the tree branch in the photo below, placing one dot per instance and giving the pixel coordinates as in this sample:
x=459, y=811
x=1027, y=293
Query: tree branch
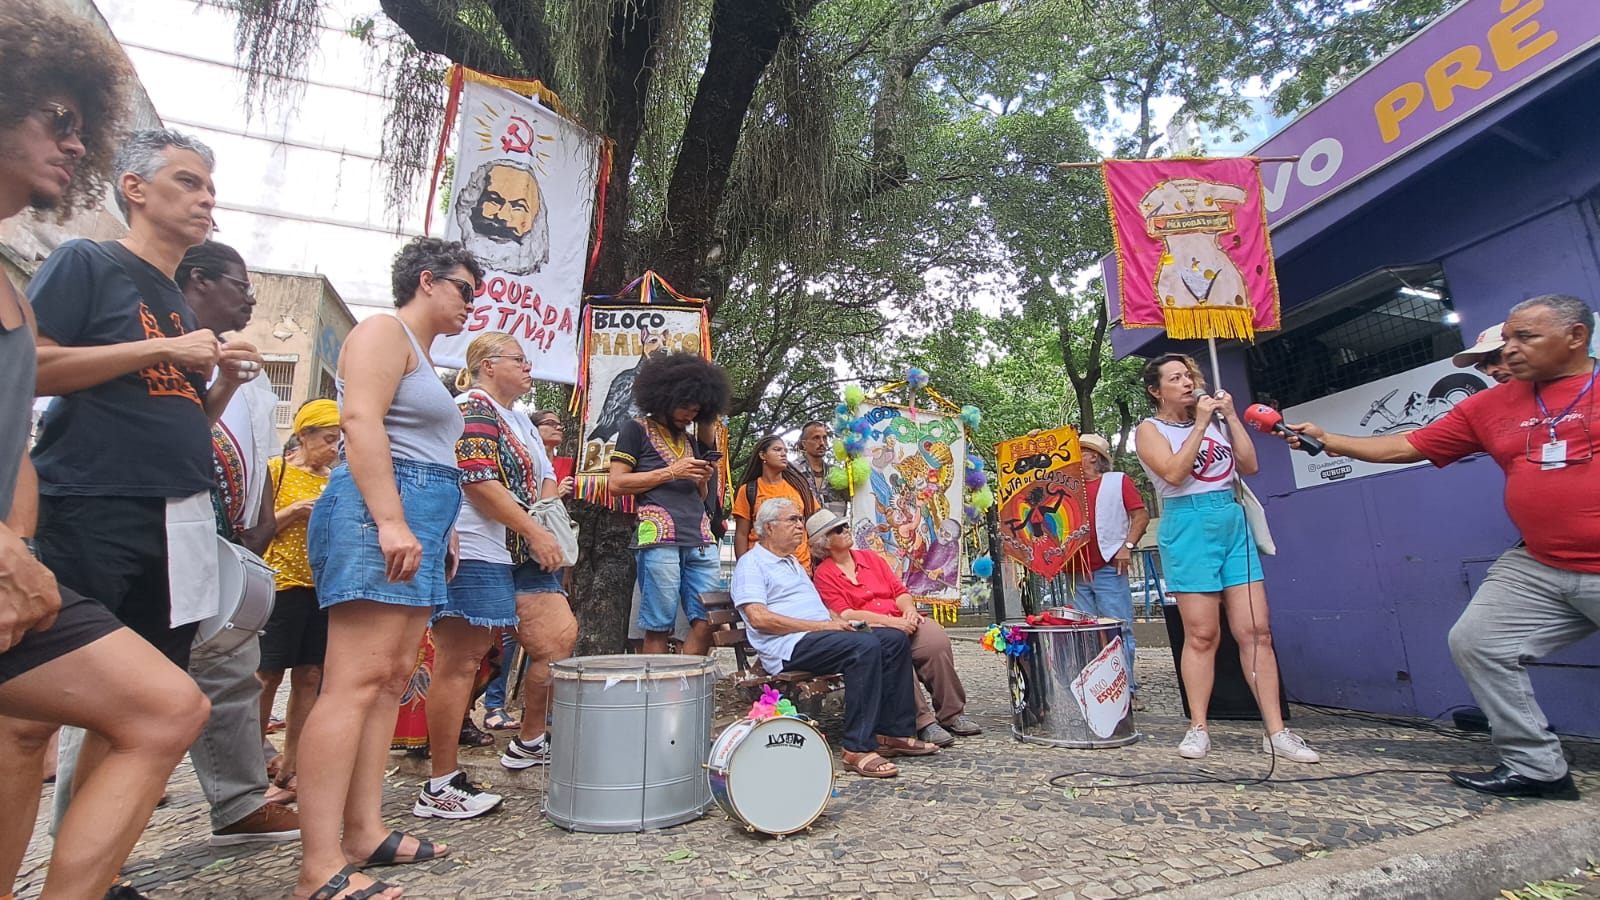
x=434, y=30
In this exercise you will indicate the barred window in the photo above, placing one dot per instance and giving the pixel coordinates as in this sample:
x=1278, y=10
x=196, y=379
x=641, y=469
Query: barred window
x=280, y=373
x=1387, y=322
x=326, y=388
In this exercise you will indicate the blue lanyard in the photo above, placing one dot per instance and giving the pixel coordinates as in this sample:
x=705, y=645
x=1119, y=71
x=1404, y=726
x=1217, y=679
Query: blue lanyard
x=1545, y=410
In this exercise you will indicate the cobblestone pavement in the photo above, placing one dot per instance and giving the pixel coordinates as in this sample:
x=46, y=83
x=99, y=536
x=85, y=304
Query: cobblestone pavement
x=989, y=817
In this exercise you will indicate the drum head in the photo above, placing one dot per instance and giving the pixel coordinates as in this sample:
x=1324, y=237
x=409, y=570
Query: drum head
x=631, y=665
x=781, y=775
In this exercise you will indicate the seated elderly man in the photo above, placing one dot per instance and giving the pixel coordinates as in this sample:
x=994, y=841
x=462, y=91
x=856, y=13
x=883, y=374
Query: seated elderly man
x=791, y=629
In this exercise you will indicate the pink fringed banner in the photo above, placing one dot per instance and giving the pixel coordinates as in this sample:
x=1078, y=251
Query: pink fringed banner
x=1193, y=254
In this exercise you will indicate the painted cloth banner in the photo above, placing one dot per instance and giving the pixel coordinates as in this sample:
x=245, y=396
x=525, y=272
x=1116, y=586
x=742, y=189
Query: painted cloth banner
x=1193, y=255
x=617, y=337
x=910, y=509
x=1392, y=405
x=522, y=200
x=1044, y=506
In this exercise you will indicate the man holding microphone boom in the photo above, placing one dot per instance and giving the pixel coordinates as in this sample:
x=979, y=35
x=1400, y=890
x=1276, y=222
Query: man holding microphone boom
x=1544, y=593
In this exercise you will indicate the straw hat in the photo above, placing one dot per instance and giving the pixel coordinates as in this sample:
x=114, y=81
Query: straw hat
x=1098, y=444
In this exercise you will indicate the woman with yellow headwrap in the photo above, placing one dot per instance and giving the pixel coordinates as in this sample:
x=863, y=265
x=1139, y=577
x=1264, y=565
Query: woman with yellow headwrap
x=296, y=635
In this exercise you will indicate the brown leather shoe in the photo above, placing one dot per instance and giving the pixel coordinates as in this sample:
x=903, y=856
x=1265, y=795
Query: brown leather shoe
x=271, y=824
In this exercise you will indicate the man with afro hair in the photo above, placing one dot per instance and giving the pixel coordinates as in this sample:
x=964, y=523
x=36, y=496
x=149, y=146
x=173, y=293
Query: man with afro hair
x=657, y=460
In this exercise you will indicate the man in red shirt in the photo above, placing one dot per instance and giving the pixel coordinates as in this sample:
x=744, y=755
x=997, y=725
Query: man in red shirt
x=1544, y=593
x=1117, y=521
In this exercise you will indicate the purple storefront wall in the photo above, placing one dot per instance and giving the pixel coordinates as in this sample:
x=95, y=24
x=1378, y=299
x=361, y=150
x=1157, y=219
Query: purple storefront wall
x=1371, y=573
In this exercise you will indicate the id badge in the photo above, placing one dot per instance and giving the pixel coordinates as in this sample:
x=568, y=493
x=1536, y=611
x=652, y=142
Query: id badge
x=1553, y=455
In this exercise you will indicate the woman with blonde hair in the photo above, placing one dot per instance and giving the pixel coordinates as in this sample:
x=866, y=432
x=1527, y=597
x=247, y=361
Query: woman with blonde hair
x=510, y=569
x=1193, y=448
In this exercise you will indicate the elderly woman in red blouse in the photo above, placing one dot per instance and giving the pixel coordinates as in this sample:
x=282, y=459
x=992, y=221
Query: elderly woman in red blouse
x=859, y=585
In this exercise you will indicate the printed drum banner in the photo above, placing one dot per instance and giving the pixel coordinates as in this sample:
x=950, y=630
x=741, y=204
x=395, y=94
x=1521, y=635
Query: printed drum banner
x=910, y=509
x=617, y=337
x=1044, y=506
x=522, y=201
x=1193, y=255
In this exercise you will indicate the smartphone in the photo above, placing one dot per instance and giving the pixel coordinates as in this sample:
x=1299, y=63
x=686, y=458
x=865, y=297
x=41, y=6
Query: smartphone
x=712, y=455
x=859, y=625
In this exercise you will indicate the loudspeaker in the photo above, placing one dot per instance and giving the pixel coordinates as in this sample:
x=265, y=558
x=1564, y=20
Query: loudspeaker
x=1230, y=693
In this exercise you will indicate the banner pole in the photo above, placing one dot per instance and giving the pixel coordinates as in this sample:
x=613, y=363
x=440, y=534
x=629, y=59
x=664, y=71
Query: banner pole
x=1216, y=371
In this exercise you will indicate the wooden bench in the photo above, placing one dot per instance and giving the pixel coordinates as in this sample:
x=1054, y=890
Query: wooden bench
x=728, y=630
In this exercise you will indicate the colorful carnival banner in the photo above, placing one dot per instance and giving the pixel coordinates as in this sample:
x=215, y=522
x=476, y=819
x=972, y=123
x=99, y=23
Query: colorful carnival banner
x=910, y=508
x=1044, y=507
x=522, y=200
x=1193, y=255
x=618, y=335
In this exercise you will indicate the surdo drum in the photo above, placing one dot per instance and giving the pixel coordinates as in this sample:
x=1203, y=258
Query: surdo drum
x=1070, y=689
x=628, y=735
x=248, y=594
x=773, y=776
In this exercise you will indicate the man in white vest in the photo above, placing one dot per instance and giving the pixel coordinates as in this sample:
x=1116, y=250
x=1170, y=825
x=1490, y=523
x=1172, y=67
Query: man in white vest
x=1117, y=520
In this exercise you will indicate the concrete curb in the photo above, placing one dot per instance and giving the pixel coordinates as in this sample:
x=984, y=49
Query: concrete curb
x=1546, y=839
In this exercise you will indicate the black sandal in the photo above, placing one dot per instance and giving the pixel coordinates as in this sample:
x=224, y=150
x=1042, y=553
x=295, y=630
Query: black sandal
x=386, y=852
x=331, y=888
x=473, y=736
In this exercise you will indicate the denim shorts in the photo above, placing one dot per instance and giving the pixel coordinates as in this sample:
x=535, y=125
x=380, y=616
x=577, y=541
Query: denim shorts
x=483, y=593
x=531, y=578
x=342, y=539
x=1206, y=544
x=670, y=575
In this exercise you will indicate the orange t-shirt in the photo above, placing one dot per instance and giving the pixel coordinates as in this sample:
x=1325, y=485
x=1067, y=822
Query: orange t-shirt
x=765, y=492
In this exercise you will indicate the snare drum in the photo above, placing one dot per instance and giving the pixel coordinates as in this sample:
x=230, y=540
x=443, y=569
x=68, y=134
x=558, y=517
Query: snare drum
x=247, y=596
x=773, y=776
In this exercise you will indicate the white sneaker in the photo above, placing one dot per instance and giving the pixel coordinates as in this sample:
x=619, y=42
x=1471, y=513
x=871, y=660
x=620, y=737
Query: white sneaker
x=521, y=756
x=1196, y=744
x=1290, y=746
x=460, y=799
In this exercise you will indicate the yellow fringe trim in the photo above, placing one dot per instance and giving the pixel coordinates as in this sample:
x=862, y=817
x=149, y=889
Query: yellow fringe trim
x=533, y=89
x=1198, y=322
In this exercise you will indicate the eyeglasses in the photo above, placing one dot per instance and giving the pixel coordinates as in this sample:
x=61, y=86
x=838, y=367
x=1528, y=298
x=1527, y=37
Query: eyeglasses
x=551, y=423
x=1542, y=431
x=244, y=285
x=1483, y=365
x=519, y=359
x=838, y=529
x=466, y=287
x=63, y=121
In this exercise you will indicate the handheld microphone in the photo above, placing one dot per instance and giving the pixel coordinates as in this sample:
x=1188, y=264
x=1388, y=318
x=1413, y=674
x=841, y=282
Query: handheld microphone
x=1267, y=420
x=1216, y=414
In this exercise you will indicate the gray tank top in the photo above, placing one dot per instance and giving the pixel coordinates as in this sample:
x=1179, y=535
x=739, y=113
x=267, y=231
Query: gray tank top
x=16, y=403
x=423, y=421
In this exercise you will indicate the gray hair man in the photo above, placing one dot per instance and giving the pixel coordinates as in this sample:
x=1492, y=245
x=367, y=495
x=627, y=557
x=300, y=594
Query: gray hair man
x=1544, y=593
x=1117, y=520
x=791, y=629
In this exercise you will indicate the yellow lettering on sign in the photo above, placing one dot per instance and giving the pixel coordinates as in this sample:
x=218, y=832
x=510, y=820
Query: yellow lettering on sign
x=1458, y=68
x=1512, y=39
x=1394, y=107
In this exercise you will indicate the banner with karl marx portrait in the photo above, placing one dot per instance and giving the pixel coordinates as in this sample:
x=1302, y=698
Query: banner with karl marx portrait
x=521, y=199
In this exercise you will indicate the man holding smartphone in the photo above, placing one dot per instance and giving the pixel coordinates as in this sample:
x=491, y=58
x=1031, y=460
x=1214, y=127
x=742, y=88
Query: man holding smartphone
x=657, y=460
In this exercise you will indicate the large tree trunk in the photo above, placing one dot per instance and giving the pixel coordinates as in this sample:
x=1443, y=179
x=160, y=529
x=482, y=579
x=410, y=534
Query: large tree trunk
x=602, y=581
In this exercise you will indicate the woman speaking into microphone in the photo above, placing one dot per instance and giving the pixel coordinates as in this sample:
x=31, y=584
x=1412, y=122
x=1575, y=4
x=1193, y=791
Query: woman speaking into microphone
x=1190, y=449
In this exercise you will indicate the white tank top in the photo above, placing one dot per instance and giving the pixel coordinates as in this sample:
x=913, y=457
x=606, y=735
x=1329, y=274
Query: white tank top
x=1213, y=464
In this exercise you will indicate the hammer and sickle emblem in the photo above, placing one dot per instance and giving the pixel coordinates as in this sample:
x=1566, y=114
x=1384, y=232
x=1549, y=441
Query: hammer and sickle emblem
x=518, y=137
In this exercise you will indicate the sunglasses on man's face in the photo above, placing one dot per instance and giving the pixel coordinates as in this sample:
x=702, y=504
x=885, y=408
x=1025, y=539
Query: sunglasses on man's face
x=63, y=122
x=838, y=529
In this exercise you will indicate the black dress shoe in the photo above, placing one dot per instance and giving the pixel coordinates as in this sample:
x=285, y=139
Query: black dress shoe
x=1502, y=782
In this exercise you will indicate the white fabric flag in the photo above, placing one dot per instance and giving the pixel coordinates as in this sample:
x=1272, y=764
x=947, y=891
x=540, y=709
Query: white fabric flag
x=522, y=199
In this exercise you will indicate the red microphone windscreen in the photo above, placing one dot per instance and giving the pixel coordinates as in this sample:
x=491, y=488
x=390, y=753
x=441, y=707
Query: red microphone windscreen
x=1262, y=417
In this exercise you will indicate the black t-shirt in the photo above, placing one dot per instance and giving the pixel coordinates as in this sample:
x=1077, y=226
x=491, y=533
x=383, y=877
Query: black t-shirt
x=144, y=434
x=669, y=514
